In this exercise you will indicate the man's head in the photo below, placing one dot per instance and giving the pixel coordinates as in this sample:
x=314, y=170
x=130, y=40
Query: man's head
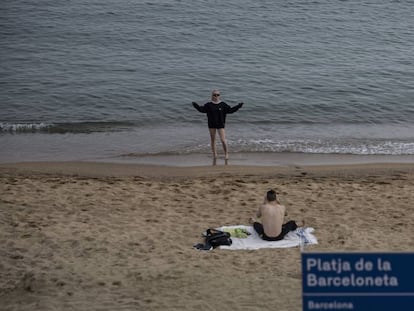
x=271, y=195
x=215, y=95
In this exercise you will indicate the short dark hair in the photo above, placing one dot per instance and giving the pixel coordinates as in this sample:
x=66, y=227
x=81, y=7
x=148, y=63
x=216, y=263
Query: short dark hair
x=271, y=195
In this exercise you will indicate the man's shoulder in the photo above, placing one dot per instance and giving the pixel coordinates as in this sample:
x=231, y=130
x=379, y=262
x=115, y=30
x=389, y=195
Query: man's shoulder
x=273, y=206
x=281, y=206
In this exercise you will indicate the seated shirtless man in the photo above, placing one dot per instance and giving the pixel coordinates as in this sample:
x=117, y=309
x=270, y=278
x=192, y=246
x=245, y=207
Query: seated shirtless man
x=272, y=214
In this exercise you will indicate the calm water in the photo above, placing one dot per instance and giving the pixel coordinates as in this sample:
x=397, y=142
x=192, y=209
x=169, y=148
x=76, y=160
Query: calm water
x=87, y=79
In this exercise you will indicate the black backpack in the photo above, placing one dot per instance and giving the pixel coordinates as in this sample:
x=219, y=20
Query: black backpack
x=214, y=238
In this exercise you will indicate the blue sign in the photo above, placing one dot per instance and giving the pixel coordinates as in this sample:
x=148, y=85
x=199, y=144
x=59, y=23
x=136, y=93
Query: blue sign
x=358, y=281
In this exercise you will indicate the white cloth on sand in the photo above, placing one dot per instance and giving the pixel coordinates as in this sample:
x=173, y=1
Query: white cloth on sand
x=301, y=236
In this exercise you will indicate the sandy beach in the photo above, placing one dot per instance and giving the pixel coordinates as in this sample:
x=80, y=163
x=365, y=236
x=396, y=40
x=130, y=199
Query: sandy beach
x=100, y=236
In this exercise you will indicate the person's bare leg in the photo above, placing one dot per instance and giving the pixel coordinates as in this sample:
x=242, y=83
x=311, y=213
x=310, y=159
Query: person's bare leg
x=213, y=142
x=222, y=134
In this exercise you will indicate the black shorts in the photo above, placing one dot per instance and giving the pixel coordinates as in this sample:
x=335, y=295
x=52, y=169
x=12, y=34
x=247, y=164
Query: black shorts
x=286, y=228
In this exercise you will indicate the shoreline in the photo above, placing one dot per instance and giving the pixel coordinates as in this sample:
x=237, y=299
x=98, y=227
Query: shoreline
x=202, y=164
x=165, y=172
x=260, y=159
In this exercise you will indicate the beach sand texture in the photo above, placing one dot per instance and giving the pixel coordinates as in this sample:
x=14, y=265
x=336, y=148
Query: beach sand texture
x=87, y=236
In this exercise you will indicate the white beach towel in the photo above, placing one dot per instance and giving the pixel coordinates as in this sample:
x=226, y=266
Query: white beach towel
x=301, y=236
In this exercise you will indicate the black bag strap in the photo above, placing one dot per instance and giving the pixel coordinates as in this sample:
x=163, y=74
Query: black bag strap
x=212, y=231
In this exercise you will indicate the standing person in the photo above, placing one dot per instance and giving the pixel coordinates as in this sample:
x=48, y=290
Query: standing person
x=216, y=115
x=272, y=214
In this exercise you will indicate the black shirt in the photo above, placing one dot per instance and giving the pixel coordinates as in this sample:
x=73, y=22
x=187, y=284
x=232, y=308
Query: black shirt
x=216, y=113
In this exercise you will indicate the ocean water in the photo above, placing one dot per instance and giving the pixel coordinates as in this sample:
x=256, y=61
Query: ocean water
x=91, y=79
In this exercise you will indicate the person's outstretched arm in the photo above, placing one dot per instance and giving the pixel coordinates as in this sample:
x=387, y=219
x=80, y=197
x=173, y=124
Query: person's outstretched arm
x=233, y=109
x=199, y=108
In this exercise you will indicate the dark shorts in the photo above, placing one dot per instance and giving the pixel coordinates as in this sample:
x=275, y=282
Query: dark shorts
x=287, y=227
x=215, y=125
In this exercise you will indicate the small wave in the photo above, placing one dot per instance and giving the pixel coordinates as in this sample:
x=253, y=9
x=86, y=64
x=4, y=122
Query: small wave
x=392, y=148
x=24, y=127
x=62, y=128
x=327, y=146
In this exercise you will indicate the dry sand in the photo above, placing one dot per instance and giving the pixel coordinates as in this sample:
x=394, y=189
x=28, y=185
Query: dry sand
x=94, y=236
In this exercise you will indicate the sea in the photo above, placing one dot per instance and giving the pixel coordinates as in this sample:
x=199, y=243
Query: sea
x=93, y=80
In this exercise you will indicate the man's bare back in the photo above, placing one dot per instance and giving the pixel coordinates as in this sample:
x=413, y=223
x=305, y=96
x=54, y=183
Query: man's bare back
x=272, y=216
x=272, y=213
